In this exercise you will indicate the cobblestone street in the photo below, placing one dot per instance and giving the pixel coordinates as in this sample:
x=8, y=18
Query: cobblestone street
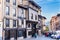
x=40, y=38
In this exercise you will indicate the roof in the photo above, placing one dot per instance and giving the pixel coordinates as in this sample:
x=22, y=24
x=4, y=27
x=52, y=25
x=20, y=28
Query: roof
x=44, y=17
x=40, y=16
x=34, y=3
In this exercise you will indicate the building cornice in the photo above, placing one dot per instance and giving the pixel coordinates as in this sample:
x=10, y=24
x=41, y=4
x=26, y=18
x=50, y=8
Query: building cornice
x=35, y=4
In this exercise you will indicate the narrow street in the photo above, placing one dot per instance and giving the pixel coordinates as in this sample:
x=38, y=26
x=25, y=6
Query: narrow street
x=40, y=38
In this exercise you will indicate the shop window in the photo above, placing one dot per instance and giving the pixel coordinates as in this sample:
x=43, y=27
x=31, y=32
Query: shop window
x=11, y=33
x=29, y=33
x=7, y=35
x=20, y=33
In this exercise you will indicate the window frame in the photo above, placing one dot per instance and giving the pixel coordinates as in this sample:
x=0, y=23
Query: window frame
x=14, y=2
x=7, y=22
x=8, y=1
x=14, y=23
x=14, y=13
x=35, y=17
x=7, y=10
x=31, y=16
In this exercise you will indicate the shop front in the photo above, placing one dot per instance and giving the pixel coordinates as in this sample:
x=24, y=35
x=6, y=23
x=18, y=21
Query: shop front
x=10, y=34
x=31, y=28
x=21, y=33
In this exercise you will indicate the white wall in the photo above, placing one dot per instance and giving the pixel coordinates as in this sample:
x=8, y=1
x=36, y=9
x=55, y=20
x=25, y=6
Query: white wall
x=31, y=11
x=22, y=15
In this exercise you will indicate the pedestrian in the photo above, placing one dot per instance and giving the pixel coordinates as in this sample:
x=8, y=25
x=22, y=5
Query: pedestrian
x=35, y=35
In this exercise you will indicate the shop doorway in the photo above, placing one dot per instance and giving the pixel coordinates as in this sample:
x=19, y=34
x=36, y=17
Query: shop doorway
x=33, y=29
x=7, y=34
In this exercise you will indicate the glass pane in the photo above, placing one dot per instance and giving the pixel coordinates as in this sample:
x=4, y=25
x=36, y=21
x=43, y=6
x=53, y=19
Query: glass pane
x=20, y=34
x=14, y=23
x=7, y=22
x=14, y=12
x=14, y=2
x=7, y=0
x=20, y=12
x=7, y=10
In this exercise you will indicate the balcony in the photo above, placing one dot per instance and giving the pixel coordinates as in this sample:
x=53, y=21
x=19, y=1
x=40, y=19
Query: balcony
x=21, y=18
x=23, y=6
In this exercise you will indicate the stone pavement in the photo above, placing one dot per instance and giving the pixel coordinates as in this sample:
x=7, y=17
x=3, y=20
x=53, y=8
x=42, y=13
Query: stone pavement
x=40, y=38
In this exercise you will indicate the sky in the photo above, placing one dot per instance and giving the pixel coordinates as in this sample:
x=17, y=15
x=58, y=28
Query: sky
x=49, y=8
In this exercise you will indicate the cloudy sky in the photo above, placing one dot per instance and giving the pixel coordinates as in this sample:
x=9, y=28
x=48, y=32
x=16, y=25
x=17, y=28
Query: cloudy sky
x=49, y=7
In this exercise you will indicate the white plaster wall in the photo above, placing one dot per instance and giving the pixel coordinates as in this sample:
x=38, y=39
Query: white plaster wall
x=22, y=15
x=31, y=11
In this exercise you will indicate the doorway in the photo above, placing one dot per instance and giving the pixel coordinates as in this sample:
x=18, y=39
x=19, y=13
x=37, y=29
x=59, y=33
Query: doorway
x=7, y=34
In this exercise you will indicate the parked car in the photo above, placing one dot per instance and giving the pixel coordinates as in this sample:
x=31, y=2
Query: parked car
x=48, y=34
x=56, y=35
x=53, y=35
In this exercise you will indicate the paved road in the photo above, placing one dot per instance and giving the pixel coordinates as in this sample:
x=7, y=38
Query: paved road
x=40, y=38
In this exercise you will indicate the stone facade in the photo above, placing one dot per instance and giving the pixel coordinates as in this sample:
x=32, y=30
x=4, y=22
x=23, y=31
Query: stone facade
x=18, y=18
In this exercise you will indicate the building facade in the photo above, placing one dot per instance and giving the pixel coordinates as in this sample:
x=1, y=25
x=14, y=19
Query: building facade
x=32, y=17
x=58, y=22
x=40, y=24
x=18, y=18
x=12, y=19
x=53, y=23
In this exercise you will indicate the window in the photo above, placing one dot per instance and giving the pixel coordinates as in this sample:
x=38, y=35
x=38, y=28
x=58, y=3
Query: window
x=14, y=2
x=7, y=0
x=14, y=23
x=35, y=17
x=7, y=10
x=20, y=12
x=7, y=34
x=32, y=16
x=7, y=22
x=30, y=32
x=20, y=33
x=22, y=21
x=29, y=25
x=14, y=11
x=21, y=1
